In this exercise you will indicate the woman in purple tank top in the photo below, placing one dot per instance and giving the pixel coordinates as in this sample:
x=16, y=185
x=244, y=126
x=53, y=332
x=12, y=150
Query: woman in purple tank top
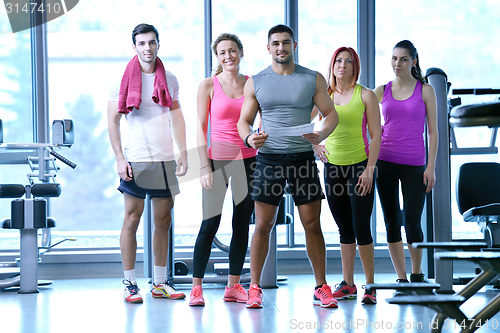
x=408, y=103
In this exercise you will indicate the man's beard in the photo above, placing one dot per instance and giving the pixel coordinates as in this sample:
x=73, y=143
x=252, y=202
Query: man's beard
x=283, y=61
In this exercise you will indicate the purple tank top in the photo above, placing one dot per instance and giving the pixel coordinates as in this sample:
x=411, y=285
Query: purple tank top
x=403, y=130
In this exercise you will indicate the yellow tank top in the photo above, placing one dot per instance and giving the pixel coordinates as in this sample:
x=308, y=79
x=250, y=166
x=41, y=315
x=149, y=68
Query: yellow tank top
x=348, y=143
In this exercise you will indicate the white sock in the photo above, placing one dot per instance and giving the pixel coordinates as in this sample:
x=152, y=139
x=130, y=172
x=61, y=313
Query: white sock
x=160, y=274
x=130, y=275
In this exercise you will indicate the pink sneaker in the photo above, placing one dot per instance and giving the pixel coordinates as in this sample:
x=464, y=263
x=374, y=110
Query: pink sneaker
x=345, y=291
x=254, y=297
x=236, y=294
x=324, y=298
x=370, y=297
x=196, y=297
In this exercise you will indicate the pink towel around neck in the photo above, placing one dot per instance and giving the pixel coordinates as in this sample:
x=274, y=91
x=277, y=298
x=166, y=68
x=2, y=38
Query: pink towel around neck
x=131, y=87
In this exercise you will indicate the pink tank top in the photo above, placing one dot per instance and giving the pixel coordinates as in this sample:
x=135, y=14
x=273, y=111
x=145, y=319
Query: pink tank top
x=402, y=139
x=225, y=142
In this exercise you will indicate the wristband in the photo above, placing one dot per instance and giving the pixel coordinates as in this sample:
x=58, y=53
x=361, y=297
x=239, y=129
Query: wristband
x=245, y=141
x=203, y=167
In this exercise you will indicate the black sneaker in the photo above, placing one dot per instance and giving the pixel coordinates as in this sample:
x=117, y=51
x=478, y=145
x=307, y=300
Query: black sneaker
x=417, y=277
x=398, y=292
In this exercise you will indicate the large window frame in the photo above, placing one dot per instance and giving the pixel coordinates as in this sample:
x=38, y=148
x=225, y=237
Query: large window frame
x=366, y=41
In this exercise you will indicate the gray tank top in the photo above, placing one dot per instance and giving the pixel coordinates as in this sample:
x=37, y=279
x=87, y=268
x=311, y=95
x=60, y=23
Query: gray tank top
x=285, y=100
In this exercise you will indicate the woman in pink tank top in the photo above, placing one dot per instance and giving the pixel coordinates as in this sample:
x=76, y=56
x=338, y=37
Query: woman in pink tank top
x=226, y=161
x=408, y=103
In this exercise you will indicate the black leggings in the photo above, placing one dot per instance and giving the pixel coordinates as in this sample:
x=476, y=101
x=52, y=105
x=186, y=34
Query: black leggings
x=350, y=210
x=413, y=189
x=241, y=174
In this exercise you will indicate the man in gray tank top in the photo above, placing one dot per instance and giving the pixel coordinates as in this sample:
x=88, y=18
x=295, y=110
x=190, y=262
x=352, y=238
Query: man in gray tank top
x=285, y=94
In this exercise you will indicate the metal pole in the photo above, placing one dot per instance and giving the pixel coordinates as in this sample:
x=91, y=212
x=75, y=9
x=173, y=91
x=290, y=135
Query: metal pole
x=269, y=276
x=148, y=239
x=40, y=92
x=441, y=198
x=29, y=249
x=292, y=20
x=39, y=69
x=366, y=50
x=208, y=37
x=366, y=42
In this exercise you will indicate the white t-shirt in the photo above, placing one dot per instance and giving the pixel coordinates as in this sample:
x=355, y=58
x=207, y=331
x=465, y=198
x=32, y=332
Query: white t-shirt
x=149, y=127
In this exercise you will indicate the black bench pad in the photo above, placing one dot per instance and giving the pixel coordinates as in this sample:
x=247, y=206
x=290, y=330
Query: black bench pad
x=481, y=114
x=11, y=190
x=6, y=224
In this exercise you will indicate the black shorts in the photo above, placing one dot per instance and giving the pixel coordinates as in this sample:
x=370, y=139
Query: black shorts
x=274, y=171
x=157, y=179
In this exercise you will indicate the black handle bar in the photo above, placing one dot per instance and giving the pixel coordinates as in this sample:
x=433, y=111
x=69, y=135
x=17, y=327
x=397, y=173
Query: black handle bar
x=62, y=159
x=475, y=91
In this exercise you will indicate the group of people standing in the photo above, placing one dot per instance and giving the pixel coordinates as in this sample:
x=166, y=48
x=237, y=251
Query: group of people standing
x=259, y=164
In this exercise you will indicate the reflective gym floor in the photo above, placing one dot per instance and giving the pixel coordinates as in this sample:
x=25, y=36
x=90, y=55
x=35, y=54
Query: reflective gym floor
x=96, y=305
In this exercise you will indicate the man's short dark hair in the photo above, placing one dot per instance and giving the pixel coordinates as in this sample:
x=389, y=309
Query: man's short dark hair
x=144, y=28
x=280, y=28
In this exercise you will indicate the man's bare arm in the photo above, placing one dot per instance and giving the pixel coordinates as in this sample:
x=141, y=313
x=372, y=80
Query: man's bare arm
x=179, y=135
x=123, y=167
x=249, y=111
x=324, y=104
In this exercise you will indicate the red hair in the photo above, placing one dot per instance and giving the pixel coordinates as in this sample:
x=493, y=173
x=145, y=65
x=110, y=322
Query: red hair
x=332, y=81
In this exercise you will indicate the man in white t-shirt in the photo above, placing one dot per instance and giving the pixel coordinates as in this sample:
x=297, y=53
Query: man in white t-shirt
x=148, y=96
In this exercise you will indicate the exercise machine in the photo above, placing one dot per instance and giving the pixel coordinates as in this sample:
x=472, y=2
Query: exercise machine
x=478, y=184
x=29, y=214
x=451, y=115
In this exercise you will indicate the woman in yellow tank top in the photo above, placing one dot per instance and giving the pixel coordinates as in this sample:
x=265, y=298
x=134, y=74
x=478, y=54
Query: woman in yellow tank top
x=350, y=159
